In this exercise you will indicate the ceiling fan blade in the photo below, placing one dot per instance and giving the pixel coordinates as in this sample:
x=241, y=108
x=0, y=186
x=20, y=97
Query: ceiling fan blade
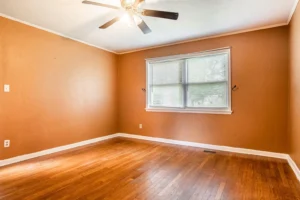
x=109, y=23
x=100, y=4
x=161, y=14
x=144, y=27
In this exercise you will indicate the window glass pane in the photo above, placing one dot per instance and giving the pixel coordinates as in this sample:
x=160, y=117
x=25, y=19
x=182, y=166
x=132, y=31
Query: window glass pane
x=167, y=72
x=207, y=95
x=167, y=96
x=208, y=68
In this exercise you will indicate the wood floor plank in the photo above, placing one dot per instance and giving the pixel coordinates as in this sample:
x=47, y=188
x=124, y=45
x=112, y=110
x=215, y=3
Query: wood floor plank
x=127, y=169
x=220, y=191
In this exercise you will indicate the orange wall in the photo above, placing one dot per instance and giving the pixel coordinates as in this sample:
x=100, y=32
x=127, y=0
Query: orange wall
x=259, y=68
x=62, y=91
x=294, y=114
x=65, y=92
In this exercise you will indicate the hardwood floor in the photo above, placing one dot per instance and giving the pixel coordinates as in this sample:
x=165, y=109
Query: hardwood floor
x=122, y=169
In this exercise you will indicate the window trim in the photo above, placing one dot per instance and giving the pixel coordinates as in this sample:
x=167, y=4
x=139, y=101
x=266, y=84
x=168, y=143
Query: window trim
x=207, y=110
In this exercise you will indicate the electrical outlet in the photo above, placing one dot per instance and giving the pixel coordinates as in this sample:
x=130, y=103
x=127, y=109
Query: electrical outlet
x=6, y=143
x=141, y=126
x=6, y=88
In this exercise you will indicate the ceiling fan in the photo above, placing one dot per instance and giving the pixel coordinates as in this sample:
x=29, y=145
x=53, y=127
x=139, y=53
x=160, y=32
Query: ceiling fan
x=133, y=14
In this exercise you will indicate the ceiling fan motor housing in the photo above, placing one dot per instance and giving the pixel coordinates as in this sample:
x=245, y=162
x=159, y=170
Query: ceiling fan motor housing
x=127, y=4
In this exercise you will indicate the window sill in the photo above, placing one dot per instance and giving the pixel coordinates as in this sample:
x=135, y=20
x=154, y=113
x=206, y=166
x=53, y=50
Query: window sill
x=220, y=112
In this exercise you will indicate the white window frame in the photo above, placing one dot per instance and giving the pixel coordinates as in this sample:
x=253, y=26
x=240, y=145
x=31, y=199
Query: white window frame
x=208, y=110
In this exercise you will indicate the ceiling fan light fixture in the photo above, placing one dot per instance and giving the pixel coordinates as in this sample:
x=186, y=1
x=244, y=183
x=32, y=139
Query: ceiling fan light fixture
x=128, y=19
x=128, y=2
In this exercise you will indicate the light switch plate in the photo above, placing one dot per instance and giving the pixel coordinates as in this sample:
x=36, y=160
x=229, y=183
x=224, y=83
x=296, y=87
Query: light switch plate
x=6, y=88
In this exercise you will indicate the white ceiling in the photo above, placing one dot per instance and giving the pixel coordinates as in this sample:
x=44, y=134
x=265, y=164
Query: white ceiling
x=197, y=18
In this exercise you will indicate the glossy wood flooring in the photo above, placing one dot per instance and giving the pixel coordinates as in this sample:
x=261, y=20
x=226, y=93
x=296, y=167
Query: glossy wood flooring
x=130, y=169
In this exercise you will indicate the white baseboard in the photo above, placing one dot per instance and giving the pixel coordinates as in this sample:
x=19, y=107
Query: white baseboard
x=54, y=150
x=208, y=146
x=155, y=139
x=294, y=167
x=219, y=148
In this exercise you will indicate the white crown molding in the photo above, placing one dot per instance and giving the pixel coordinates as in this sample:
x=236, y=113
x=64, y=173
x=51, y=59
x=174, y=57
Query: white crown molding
x=147, y=48
x=204, y=38
x=292, y=11
x=54, y=32
x=54, y=150
x=155, y=139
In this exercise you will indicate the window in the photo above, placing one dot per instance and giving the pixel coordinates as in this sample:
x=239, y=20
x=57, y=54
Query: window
x=197, y=83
